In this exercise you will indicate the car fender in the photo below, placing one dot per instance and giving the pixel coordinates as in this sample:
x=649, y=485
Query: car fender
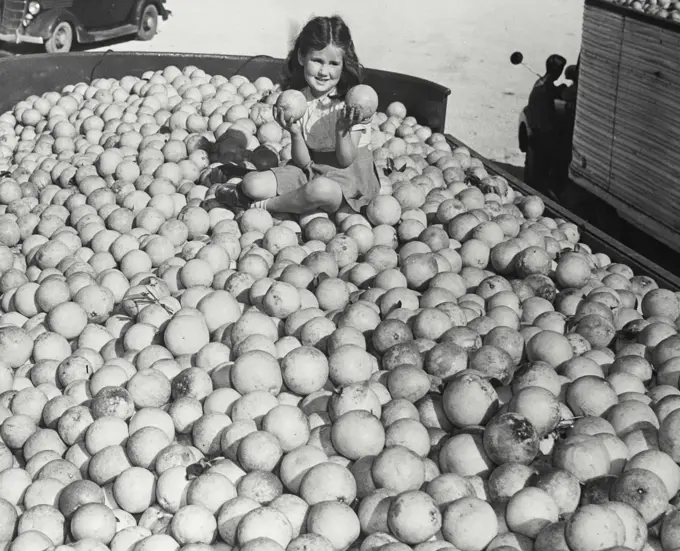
x=141, y=4
x=44, y=23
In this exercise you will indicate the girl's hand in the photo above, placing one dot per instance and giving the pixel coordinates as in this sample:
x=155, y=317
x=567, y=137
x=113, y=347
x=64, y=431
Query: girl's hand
x=293, y=127
x=347, y=118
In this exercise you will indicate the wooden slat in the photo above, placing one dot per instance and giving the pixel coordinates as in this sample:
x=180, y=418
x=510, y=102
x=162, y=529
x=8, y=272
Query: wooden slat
x=596, y=107
x=646, y=157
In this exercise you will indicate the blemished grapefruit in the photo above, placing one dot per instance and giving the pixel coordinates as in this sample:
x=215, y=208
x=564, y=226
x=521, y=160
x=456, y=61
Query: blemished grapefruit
x=414, y=518
x=510, y=437
x=469, y=399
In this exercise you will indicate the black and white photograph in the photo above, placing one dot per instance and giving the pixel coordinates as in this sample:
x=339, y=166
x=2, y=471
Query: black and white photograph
x=296, y=275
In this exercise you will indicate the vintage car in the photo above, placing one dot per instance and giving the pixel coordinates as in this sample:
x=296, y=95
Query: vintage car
x=58, y=25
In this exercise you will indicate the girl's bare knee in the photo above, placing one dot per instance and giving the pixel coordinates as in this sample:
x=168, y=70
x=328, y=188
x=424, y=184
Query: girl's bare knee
x=259, y=185
x=324, y=193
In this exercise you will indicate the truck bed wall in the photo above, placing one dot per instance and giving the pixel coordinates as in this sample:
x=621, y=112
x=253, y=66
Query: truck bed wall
x=24, y=76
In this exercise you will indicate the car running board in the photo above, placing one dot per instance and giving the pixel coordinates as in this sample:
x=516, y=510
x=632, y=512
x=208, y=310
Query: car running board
x=108, y=34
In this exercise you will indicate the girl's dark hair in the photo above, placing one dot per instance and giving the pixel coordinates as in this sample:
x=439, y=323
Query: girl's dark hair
x=317, y=34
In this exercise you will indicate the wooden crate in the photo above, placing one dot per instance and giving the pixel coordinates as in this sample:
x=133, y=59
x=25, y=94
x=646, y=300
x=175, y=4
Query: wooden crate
x=627, y=133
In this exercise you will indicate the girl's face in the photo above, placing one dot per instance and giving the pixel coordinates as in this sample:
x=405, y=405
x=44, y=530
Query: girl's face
x=322, y=69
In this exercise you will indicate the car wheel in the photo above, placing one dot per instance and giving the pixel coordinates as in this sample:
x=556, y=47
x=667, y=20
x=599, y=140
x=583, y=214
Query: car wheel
x=148, y=23
x=61, y=40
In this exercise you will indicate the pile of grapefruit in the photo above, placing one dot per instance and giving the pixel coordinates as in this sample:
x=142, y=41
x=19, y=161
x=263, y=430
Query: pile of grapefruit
x=450, y=370
x=664, y=9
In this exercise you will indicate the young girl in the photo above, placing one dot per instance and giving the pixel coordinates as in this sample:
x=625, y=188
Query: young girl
x=331, y=163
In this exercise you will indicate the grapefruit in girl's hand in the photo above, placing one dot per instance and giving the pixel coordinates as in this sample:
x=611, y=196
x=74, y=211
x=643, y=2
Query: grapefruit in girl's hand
x=292, y=104
x=363, y=99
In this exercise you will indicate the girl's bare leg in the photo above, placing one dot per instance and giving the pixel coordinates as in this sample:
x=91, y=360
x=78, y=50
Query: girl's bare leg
x=255, y=186
x=258, y=189
x=319, y=194
x=259, y=185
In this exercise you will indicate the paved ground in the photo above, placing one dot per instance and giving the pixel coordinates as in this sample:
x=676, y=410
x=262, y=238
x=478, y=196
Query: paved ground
x=462, y=44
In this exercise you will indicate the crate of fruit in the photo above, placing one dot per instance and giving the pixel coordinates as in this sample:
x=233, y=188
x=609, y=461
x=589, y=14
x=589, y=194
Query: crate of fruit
x=628, y=116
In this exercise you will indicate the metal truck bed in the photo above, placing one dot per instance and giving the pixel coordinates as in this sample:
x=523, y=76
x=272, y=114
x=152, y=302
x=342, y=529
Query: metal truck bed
x=425, y=100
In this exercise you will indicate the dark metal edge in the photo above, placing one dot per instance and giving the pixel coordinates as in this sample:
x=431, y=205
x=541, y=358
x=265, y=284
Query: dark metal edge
x=180, y=55
x=592, y=236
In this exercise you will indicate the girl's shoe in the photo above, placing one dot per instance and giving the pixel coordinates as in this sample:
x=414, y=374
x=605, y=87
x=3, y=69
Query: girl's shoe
x=233, y=170
x=222, y=174
x=231, y=196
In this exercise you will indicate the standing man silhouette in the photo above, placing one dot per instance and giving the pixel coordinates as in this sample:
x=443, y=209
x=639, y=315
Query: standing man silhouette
x=543, y=120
